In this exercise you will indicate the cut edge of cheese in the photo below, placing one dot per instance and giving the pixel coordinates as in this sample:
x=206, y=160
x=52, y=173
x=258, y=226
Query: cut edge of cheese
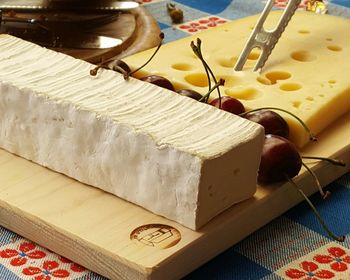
x=176, y=157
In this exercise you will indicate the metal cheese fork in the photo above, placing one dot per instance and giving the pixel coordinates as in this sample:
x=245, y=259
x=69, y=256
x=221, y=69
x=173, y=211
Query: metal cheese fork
x=263, y=39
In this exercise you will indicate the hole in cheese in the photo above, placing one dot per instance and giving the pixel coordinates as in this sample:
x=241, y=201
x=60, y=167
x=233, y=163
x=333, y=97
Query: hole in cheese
x=303, y=56
x=329, y=39
x=332, y=81
x=290, y=87
x=296, y=104
x=243, y=93
x=277, y=75
x=310, y=98
x=182, y=66
x=304, y=31
x=334, y=48
x=227, y=62
x=254, y=54
x=197, y=79
x=263, y=80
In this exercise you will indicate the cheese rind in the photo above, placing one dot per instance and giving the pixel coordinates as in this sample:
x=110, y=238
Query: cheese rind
x=306, y=74
x=174, y=156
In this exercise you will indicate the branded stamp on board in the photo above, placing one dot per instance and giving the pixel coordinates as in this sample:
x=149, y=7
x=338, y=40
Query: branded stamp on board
x=156, y=235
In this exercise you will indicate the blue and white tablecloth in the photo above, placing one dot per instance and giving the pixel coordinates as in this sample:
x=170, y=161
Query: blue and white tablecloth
x=292, y=246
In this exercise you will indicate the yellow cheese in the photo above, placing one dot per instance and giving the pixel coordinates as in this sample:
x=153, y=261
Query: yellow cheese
x=308, y=72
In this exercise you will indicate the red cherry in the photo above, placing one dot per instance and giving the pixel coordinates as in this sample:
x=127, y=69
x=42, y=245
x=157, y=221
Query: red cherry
x=159, y=81
x=190, y=93
x=229, y=104
x=272, y=122
x=279, y=159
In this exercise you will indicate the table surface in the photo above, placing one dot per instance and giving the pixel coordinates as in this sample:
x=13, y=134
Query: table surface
x=293, y=246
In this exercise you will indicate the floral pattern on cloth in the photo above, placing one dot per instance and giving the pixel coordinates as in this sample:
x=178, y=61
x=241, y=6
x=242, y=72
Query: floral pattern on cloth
x=19, y=256
x=329, y=262
x=201, y=24
x=283, y=4
x=144, y=2
x=28, y=260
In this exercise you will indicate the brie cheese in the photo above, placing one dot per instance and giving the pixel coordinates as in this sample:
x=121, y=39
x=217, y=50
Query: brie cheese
x=174, y=156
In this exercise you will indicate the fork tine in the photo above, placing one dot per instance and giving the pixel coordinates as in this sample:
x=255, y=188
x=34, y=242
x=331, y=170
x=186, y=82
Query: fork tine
x=266, y=40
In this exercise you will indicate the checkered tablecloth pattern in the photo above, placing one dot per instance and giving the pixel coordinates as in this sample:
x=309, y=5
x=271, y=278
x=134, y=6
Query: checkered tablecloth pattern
x=292, y=246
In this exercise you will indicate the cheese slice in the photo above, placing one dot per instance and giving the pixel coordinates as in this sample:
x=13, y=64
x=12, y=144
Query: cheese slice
x=174, y=156
x=306, y=74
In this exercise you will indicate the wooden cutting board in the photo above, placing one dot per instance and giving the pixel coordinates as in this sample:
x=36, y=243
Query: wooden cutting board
x=123, y=241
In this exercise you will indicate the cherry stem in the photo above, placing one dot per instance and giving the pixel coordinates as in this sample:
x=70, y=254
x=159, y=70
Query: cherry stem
x=323, y=194
x=220, y=83
x=317, y=214
x=331, y=160
x=312, y=137
x=122, y=71
x=93, y=72
x=161, y=36
x=170, y=6
x=126, y=75
x=198, y=52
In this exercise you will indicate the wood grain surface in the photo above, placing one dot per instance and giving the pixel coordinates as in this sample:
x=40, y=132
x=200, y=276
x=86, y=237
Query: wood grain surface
x=123, y=241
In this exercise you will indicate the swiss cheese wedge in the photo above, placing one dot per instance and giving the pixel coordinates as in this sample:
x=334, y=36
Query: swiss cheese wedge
x=306, y=74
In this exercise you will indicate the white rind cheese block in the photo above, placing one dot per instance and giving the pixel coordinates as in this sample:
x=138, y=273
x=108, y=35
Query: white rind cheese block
x=307, y=73
x=172, y=155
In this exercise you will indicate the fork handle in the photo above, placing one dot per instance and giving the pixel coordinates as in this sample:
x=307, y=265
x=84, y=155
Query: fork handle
x=263, y=39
